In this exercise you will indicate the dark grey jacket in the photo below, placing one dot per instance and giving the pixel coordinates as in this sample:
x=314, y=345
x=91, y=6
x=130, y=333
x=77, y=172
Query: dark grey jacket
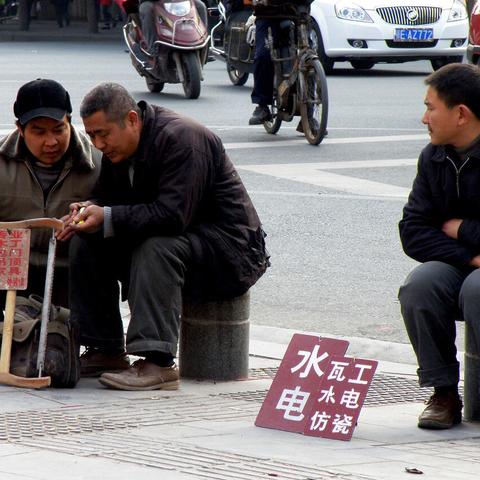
x=443, y=189
x=185, y=184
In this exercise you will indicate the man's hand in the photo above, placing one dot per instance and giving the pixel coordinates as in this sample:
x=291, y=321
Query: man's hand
x=450, y=227
x=88, y=219
x=475, y=261
x=68, y=220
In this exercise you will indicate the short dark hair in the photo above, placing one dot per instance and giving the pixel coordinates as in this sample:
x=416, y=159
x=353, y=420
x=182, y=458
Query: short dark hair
x=457, y=83
x=111, y=98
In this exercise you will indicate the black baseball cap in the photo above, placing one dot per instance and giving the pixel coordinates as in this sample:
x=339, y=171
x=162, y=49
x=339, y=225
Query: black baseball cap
x=41, y=98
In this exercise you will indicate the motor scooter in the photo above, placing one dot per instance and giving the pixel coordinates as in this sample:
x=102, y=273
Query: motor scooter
x=181, y=48
x=231, y=41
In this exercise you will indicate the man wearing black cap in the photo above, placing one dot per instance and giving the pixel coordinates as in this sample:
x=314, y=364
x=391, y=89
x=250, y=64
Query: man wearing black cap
x=45, y=165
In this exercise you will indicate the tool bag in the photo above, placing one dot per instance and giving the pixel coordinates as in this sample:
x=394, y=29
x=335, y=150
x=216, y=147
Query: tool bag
x=62, y=361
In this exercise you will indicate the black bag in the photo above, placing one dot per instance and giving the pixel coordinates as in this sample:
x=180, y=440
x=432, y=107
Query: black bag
x=62, y=361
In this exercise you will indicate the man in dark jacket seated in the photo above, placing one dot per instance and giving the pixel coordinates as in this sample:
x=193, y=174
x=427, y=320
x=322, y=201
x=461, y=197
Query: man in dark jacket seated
x=441, y=229
x=169, y=217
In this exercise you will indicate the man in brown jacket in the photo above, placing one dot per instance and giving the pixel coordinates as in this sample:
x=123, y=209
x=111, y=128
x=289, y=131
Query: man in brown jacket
x=45, y=165
x=169, y=217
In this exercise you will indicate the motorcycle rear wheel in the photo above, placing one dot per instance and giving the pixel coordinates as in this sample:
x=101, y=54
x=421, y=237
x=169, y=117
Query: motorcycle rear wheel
x=154, y=86
x=192, y=75
x=237, y=77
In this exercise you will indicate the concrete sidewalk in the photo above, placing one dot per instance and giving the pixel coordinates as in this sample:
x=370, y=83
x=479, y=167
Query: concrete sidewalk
x=48, y=31
x=206, y=430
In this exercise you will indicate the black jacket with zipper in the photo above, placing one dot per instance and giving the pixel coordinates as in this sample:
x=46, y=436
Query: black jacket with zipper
x=185, y=184
x=445, y=187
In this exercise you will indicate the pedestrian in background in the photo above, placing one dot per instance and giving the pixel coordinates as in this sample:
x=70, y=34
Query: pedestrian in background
x=106, y=13
x=61, y=12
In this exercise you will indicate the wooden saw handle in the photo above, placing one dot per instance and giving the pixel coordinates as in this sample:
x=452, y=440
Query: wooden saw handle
x=34, y=223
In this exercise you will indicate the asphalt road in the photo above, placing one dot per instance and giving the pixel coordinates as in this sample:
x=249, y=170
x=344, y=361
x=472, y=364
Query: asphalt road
x=331, y=211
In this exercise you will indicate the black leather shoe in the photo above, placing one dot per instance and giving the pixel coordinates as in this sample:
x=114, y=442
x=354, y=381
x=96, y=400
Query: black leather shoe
x=442, y=411
x=260, y=114
x=94, y=362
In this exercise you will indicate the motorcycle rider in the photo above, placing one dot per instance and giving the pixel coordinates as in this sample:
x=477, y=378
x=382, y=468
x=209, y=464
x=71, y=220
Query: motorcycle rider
x=147, y=18
x=263, y=70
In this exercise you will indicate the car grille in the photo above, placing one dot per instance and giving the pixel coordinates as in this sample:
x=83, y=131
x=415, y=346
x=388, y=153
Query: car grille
x=410, y=15
x=393, y=44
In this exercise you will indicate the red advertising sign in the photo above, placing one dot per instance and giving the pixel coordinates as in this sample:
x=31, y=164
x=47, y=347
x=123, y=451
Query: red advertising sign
x=299, y=375
x=14, y=254
x=317, y=391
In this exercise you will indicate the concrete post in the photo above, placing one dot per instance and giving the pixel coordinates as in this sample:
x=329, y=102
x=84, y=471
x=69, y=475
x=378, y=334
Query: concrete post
x=214, y=339
x=471, y=395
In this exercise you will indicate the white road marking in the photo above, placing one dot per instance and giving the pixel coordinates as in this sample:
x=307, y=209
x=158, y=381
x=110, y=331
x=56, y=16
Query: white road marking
x=316, y=174
x=343, y=196
x=327, y=141
x=297, y=141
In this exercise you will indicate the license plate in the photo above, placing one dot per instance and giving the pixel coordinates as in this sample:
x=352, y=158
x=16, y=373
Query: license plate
x=413, y=35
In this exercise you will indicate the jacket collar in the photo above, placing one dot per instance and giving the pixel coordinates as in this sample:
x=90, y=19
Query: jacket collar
x=80, y=152
x=148, y=123
x=441, y=152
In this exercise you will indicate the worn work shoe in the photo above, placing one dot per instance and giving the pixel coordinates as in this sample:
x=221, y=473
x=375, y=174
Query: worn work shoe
x=143, y=375
x=442, y=411
x=260, y=114
x=94, y=362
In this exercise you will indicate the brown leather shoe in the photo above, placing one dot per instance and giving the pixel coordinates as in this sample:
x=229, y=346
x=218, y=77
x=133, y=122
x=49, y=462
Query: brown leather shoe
x=94, y=362
x=442, y=411
x=143, y=375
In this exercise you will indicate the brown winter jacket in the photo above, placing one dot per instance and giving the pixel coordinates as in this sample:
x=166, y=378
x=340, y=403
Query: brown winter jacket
x=21, y=195
x=185, y=184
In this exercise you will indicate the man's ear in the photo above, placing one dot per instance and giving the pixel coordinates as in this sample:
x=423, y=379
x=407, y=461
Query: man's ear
x=20, y=129
x=133, y=118
x=464, y=114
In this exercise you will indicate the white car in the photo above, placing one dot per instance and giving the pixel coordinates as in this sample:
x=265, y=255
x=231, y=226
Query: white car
x=366, y=32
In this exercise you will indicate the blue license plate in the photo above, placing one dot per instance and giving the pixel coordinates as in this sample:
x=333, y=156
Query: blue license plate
x=413, y=35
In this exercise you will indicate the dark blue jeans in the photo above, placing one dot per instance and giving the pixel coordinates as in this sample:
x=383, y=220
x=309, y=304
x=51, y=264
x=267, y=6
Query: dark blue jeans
x=262, y=93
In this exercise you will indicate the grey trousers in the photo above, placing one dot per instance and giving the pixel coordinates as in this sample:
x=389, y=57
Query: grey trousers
x=152, y=275
x=433, y=297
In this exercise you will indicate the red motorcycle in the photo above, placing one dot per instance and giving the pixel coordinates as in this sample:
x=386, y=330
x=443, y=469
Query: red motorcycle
x=181, y=48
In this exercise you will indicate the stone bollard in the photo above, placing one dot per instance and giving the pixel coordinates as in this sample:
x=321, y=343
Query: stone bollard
x=214, y=339
x=471, y=390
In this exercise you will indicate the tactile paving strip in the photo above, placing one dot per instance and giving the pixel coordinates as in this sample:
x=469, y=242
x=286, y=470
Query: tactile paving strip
x=385, y=389
x=200, y=463
x=17, y=426
x=465, y=449
x=14, y=426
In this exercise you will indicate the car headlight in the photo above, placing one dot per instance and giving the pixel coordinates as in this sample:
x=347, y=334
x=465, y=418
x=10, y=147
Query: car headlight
x=351, y=11
x=179, y=9
x=458, y=12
